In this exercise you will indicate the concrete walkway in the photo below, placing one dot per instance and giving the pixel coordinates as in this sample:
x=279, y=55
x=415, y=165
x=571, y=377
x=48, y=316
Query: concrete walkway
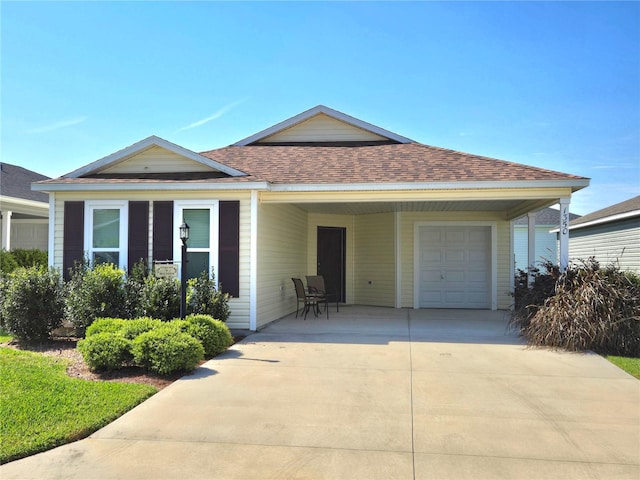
x=372, y=393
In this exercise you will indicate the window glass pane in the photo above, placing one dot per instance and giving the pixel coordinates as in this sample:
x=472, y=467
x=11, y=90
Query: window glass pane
x=198, y=263
x=198, y=221
x=106, y=228
x=106, y=257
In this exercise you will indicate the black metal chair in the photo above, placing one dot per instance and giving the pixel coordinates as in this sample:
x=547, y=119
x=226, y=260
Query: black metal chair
x=315, y=284
x=308, y=300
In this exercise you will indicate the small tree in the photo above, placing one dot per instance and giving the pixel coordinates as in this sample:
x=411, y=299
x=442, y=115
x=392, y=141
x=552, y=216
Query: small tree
x=161, y=298
x=95, y=292
x=33, y=304
x=204, y=298
x=134, y=289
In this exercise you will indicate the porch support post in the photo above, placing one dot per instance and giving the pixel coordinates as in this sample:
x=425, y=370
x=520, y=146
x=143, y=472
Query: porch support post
x=531, y=244
x=6, y=229
x=398, y=228
x=564, y=234
x=253, y=263
x=52, y=229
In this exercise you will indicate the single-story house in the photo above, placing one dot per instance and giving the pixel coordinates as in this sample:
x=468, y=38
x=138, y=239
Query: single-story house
x=386, y=220
x=611, y=235
x=25, y=213
x=546, y=242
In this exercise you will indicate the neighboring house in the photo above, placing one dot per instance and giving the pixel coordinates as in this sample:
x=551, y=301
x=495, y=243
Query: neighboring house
x=25, y=213
x=546, y=241
x=386, y=220
x=611, y=235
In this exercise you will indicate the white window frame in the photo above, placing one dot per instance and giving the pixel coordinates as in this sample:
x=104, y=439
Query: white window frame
x=123, y=206
x=178, y=207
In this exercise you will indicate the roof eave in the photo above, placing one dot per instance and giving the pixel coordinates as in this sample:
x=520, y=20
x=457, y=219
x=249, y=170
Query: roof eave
x=293, y=187
x=146, y=186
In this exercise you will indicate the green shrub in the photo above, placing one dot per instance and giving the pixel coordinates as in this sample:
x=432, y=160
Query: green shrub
x=213, y=334
x=105, y=351
x=105, y=325
x=134, y=287
x=592, y=308
x=161, y=298
x=30, y=257
x=165, y=350
x=133, y=328
x=93, y=293
x=8, y=262
x=33, y=303
x=204, y=298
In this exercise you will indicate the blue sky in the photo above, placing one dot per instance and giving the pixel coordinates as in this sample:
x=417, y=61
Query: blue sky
x=550, y=84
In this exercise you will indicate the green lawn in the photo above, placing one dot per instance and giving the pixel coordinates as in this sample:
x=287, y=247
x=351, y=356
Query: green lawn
x=628, y=364
x=41, y=407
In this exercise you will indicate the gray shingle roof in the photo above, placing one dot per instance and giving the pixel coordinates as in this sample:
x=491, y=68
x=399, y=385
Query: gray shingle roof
x=16, y=182
x=631, y=205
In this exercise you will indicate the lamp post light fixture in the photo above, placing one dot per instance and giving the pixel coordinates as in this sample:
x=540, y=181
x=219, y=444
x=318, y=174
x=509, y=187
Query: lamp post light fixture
x=184, y=236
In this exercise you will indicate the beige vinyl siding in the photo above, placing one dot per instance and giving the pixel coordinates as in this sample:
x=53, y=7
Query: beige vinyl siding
x=316, y=220
x=322, y=128
x=546, y=245
x=239, y=317
x=504, y=277
x=375, y=278
x=157, y=160
x=616, y=242
x=282, y=254
x=29, y=234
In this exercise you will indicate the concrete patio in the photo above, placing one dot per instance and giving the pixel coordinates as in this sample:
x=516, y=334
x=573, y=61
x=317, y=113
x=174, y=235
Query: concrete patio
x=373, y=393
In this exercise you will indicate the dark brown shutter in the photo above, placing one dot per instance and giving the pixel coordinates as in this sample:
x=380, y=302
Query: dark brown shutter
x=138, y=246
x=229, y=250
x=163, y=230
x=73, y=236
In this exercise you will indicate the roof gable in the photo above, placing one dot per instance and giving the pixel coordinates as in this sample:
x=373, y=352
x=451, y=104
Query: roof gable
x=322, y=125
x=152, y=156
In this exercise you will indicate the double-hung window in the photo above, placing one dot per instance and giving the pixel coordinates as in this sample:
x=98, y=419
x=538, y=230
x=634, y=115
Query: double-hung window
x=105, y=235
x=202, y=245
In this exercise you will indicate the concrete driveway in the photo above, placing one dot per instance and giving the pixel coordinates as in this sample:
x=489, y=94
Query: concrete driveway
x=372, y=393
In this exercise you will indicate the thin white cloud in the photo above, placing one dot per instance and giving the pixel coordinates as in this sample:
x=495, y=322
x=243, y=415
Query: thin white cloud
x=214, y=116
x=57, y=125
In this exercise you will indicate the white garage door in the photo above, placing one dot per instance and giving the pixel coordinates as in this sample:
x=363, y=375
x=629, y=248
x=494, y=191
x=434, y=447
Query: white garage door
x=455, y=267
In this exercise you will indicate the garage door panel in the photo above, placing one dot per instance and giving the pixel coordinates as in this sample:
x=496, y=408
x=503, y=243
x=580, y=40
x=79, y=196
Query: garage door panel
x=454, y=255
x=455, y=265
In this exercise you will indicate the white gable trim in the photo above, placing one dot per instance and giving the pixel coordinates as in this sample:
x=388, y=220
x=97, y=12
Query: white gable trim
x=301, y=117
x=143, y=145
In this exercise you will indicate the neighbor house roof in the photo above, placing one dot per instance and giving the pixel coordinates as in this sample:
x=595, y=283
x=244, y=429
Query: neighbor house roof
x=623, y=210
x=16, y=182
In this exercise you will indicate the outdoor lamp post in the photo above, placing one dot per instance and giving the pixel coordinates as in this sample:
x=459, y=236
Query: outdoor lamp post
x=184, y=236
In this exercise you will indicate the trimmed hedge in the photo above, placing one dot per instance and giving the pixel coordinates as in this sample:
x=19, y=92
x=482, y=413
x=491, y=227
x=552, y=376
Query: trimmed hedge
x=213, y=334
x=108, y=351
x=162, y=347
x=166, y=350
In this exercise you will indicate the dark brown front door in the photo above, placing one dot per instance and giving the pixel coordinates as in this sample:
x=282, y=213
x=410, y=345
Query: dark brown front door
x=332, y=242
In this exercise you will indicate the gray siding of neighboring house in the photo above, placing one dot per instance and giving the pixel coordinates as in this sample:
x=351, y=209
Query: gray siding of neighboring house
x=615, y=242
